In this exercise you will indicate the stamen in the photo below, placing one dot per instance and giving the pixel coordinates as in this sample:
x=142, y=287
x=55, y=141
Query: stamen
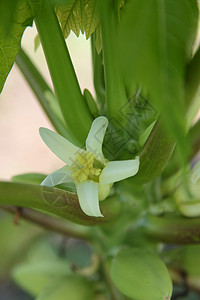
x=84, y=169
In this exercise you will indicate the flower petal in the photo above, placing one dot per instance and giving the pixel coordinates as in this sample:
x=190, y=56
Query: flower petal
x=88, y=198
x=95, y=137
x=118, y=170
x=61, y=147
x=62, y=175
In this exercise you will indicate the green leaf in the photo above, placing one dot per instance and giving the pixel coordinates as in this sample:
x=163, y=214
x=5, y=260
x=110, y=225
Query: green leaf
x=155, y=42
x=10, y=44
x=31, y=178
x=72, y=286
x=59, y=202
x=141, y=275
x=78, y=15
x=151, y=165
x=33, y=277
x=37, y=178
x=92, y=106
x=8, y=10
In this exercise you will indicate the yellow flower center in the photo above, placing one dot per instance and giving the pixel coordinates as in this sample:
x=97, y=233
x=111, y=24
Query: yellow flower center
x=85, y=167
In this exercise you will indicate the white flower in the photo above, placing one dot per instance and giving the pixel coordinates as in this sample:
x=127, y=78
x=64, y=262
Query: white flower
x=92, y=174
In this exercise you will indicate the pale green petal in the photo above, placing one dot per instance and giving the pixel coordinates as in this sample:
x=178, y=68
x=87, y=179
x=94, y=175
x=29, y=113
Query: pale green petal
x=95, y=137
x=88, y=198
x=61, y=147
x=118, y=170
x=62, y=175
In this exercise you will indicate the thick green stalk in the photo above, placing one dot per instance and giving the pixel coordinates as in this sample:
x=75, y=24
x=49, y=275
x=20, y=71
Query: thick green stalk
x=173, y=230
x=58, y=202
x=67, y=90
x=39, y=87
x=115, y=91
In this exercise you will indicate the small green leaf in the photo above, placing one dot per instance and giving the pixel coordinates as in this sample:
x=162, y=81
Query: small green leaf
x=151, y=165
x=10, y=44
x=78, y=15
x=31, y=178
x=37, y=178
x=92, y=106
x=141, y=275
x=71, y=287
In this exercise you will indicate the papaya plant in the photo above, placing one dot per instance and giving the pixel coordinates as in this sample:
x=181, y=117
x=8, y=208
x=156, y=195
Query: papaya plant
x=121, y=218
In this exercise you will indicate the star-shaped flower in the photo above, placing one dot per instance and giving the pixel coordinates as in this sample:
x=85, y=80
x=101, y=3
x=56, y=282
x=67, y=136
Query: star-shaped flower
x=92, y=174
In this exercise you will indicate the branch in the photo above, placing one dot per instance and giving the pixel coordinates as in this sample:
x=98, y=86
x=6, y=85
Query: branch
x=47, y=222
x=173, y=230
x=59, y=202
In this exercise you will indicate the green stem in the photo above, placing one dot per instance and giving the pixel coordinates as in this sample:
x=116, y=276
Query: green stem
x=39, y=87
x=67, y=90
x=155, y=155
x=115, y=91
x=173, y=230
x=51, y=200
x=47, y=222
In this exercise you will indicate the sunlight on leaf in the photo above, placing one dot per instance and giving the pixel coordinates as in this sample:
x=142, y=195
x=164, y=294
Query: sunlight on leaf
x=78, y=15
